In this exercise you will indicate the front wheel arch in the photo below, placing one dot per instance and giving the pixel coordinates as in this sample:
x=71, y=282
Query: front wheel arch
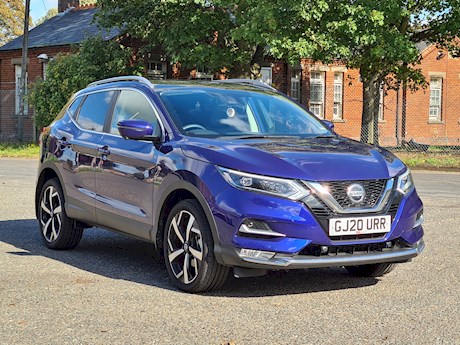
x=176, y=192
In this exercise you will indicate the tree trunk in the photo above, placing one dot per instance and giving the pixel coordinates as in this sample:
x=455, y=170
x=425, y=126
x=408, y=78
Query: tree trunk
x=370, y=118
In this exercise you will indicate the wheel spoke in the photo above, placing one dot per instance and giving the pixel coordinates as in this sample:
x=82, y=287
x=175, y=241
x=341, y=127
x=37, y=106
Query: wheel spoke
x=173, y=256
x=58, y=209
x=54, y=232
x=45, y=226
x=185, y=269
x=196, y=253
x=191, y=220
x=44, y=208
x=50, y=198
x=171, y=248
x=176, y=229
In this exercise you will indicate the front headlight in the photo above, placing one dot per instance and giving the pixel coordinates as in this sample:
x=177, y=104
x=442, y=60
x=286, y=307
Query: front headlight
x=405, y=182
x=270, y=185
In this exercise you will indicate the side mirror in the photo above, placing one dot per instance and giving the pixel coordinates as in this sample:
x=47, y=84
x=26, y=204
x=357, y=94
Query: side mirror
x=136, y=129
x=328, y=124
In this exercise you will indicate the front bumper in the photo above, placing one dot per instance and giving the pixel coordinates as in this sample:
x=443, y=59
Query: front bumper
x=231, y=257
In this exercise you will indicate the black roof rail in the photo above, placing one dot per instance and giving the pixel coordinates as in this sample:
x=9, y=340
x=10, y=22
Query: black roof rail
x=142, y=80
x=257, y=83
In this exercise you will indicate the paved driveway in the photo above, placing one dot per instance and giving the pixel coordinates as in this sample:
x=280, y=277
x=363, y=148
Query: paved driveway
x=113, y=289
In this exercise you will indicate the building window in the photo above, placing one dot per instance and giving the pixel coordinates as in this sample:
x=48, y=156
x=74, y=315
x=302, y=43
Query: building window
x=435, y=98
x=295, y=84
x=317, y=93
x=381, y=103
x=18, y=71
x=156, y=70
x=266, y=75
x=338, y=96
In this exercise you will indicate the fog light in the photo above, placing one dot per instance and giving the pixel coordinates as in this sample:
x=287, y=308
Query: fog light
x=257, y=228
x=389, y=244
x=324, y=249
x=255, y=254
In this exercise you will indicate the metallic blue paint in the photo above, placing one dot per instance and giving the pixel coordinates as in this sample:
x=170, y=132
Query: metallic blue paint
x=122, y=184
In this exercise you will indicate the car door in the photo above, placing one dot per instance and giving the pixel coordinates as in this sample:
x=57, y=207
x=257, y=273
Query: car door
x=125, y=181
x=80, y=156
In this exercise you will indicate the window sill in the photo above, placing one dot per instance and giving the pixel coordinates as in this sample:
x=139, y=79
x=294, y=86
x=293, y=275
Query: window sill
x=383, y=121
x=338, y=120
x=435, y=122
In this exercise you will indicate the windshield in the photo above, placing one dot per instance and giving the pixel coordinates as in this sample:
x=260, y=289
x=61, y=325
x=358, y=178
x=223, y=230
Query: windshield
x=215, y=112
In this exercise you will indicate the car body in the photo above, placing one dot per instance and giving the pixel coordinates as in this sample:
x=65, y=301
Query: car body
x=223, y=175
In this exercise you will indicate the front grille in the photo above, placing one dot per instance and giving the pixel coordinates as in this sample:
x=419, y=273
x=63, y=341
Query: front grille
x=373, y=188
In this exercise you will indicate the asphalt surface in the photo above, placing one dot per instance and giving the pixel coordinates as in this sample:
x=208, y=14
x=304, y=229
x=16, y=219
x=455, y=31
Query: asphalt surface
x=113, y=289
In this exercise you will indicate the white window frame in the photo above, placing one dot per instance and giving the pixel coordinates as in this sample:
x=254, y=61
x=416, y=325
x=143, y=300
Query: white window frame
x=17, y=79
x=156, y=73
x=266, y=75
x=317, y=79
x=381, y=103
x=295, y=84
x=338, y=96
x=435, y=111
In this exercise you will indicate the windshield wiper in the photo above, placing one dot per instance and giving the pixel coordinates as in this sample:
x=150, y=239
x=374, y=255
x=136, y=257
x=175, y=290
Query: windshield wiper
x=244, y=137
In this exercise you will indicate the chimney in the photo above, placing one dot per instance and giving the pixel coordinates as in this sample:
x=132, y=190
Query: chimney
x=64, y=4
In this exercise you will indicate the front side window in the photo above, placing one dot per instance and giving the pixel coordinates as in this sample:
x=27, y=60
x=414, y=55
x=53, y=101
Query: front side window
x=435, y=98
x=317, y=93
x=131, y=105
x=338, y=96
x=94, y=110
x=214, y=112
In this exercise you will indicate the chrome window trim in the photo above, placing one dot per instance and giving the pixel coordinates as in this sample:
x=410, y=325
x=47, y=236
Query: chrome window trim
x=318, y=190
x=163, y=131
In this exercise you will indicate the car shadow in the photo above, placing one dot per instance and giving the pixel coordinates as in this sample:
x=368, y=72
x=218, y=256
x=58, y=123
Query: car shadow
x=120, y=257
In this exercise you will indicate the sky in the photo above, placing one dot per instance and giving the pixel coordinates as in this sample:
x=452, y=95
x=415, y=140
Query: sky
x=38, y=8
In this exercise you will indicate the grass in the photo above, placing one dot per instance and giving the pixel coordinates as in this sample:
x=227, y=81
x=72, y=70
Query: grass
x=415, y=160
x=18, y=150
x=441, y=161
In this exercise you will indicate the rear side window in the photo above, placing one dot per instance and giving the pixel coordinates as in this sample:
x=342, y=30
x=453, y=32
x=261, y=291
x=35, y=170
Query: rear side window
x=94, y=111
x=73, y=108
x=132, y=105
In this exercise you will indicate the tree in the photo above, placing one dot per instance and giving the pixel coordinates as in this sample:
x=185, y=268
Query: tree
x=377, y=37
x=216, y=34
x=11, y=20
x=68, y=73
x=49, y=14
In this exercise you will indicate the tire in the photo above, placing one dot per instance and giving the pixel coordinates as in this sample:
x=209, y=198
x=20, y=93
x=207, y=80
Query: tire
x=188, y=249
x=57, y=230
x=373, y=270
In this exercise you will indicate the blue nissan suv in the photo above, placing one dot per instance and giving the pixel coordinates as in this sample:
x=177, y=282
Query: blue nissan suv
x=220, y=176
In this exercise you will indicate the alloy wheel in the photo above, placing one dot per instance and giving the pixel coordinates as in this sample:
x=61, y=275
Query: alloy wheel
x=51, y=214
x=185, y=247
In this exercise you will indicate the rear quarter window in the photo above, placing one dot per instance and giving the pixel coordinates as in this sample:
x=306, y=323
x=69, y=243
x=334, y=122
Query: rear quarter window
x=74, y=106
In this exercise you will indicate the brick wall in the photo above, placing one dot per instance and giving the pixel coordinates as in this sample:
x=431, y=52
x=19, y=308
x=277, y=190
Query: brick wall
x=9, y=120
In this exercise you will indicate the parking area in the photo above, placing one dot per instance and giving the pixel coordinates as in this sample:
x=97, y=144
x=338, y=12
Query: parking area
x=114, y=289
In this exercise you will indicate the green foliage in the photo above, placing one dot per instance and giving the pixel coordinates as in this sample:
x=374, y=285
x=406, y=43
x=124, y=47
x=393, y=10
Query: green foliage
x=68, y=73
x=218, y=34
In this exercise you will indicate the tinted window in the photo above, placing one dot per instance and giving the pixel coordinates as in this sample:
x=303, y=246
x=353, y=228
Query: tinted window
x=94, y=110
x=131, y=105
x=73, y=108
x=228, y=112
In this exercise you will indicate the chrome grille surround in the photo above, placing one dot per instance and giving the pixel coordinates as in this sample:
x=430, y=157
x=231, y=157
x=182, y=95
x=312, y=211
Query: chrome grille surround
x=334, y=195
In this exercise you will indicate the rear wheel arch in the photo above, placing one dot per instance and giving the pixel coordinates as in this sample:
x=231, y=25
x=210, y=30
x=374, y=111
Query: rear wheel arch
x=176, y=192
x=46, y=174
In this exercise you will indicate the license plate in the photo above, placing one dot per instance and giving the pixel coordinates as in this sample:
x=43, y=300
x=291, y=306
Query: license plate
x=359, y=225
